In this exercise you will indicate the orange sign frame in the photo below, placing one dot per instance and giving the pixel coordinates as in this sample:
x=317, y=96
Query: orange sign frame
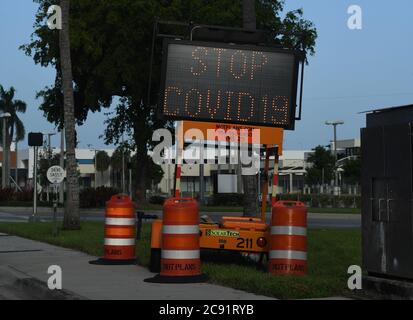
x=268, y=136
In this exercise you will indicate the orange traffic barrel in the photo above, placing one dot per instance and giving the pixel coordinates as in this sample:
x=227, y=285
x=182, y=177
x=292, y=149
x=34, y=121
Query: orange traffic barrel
x=120, y=231
x=288, y=244
x=180, y=252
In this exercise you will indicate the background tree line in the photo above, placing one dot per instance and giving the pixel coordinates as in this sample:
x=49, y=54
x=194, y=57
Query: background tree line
x=109, y=51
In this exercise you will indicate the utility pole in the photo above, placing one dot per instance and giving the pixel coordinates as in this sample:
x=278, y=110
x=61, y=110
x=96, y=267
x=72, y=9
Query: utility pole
x=335, y=124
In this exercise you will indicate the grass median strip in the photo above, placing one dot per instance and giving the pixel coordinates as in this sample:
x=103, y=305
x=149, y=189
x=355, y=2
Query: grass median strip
x=330, y=253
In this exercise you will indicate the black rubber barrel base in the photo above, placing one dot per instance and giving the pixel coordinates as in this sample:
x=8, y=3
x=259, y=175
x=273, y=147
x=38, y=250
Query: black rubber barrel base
x=178, y=279
x=110, y=262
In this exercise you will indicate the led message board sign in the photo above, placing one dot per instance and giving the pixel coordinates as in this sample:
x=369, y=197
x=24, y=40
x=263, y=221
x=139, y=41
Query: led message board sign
x=248, y=85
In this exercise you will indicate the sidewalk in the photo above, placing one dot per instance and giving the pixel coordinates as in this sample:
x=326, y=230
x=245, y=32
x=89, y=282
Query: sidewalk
x=22, y=259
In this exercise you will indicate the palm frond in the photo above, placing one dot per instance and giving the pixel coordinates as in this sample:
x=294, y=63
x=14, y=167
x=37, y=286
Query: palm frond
x=20, y=130
x=20, y=106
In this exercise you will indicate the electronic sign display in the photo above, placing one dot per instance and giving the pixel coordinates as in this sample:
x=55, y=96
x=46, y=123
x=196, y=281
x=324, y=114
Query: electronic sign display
x=248, y=85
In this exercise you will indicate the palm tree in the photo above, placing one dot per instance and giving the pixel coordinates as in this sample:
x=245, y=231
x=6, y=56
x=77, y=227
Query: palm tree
x=250, y=182
x=71, y=220
x=15, y=127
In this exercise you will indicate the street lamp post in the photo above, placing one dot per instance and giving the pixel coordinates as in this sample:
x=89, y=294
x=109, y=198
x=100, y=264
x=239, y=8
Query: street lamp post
x=335, y=124
x=5, y=164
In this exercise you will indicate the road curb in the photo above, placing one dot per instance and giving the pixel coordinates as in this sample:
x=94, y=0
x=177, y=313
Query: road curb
x=17, y=283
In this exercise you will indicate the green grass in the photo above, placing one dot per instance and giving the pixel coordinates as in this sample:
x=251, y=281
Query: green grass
x=240, y=209
x=330, y=253
x=335, y=210
x=157, y=207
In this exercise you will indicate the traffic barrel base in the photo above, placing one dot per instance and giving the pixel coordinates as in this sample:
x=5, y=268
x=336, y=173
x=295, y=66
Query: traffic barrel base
x=110, y=262
x=182, y=279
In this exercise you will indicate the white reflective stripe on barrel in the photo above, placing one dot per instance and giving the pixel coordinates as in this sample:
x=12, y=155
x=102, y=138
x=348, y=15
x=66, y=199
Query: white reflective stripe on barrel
x=180, y=254
x=120, y=221
x=119, y=242
x=182, y=229
x=288, y=254
x=289, y=230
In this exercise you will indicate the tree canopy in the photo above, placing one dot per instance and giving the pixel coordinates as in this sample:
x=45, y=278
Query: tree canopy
x=102, y=161
x=111, y=47
x=322, y=166
x=8, y=104
x=352, y=171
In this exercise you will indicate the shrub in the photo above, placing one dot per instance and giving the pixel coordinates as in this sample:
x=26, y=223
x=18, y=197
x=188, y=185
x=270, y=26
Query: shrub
x=227, y=199
x=7, y=194
x=26, y=195
x=324, y=200
x=96, y=198
x=157, y=199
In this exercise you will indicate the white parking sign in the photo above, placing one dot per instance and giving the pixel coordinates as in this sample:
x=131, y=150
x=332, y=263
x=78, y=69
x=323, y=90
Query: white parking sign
x=55, y=174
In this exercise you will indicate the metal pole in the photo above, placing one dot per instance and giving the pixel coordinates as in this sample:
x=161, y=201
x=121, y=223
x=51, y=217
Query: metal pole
x=335, y=141
x=49, y=160
x=3, y=166
x=33, y=217
x=7, y=156
x=94, y=163
x=201, y=184
x=168, y=182
x=335, y=161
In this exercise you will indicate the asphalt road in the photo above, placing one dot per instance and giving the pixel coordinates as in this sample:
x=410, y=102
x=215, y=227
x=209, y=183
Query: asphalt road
x=315, y=220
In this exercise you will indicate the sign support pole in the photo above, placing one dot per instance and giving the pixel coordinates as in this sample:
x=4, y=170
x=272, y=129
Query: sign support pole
x=34, y=214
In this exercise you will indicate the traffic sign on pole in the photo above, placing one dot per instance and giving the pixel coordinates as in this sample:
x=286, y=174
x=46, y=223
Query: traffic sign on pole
x=56, y=174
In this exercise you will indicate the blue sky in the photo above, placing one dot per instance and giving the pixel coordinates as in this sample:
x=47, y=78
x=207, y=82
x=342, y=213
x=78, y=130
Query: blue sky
x=352, y=71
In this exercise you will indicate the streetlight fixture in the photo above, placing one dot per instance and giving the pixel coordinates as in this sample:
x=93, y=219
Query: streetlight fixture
x=5, y=164
x=335, y=124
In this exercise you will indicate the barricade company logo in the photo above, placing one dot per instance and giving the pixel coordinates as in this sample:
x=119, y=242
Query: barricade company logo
x=179, y=266
x=222, y=233
x=288, y=267
x=113, y=252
